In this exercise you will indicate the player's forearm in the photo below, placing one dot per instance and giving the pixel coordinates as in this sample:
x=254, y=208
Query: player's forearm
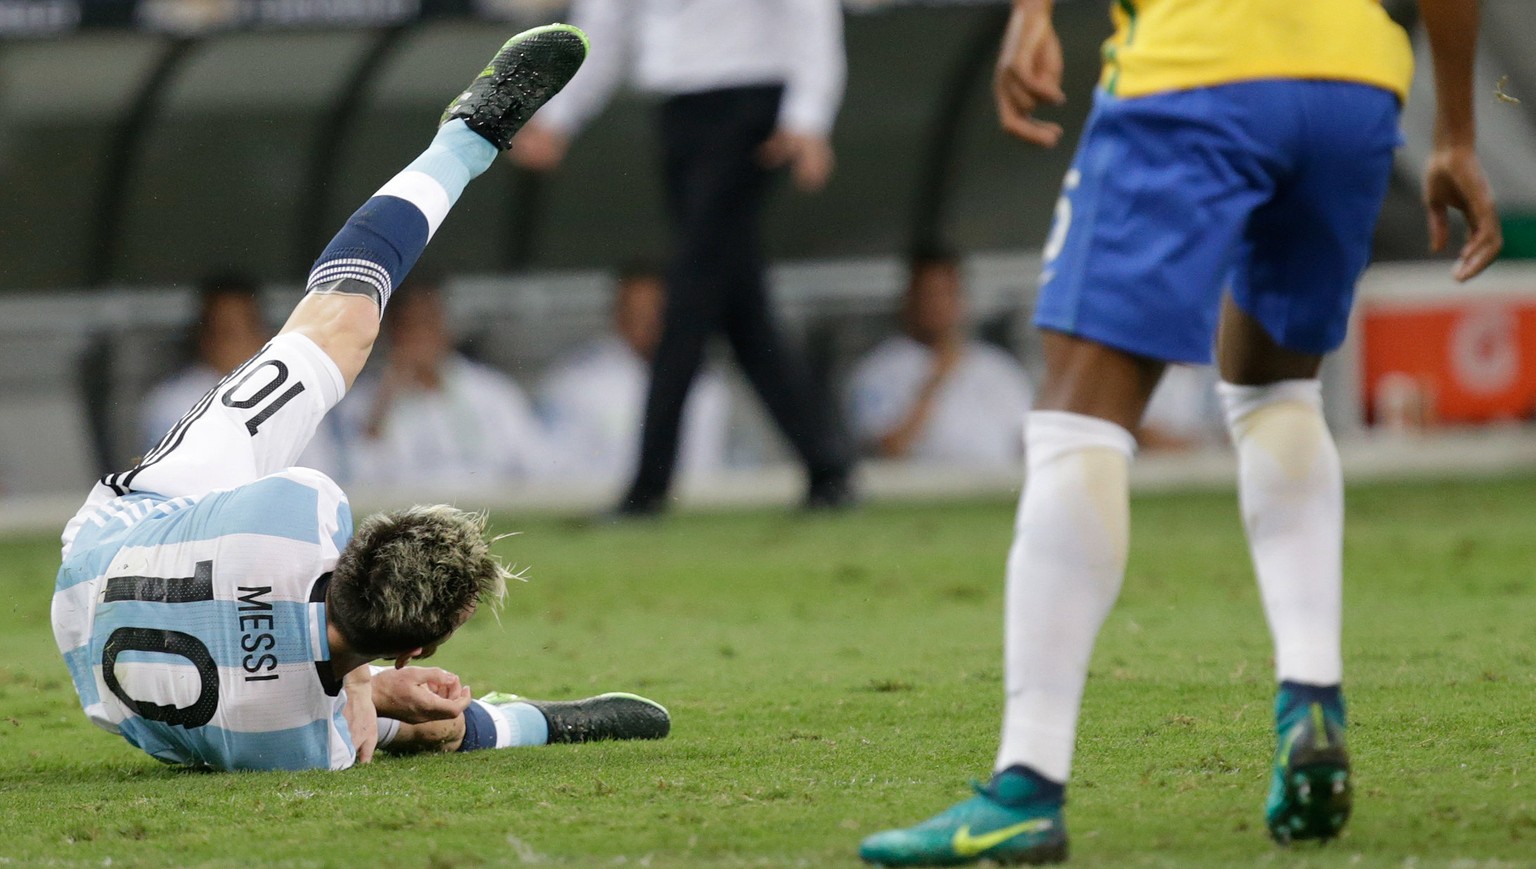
x=358, y=679
x=1452, y=28
x=361, y=718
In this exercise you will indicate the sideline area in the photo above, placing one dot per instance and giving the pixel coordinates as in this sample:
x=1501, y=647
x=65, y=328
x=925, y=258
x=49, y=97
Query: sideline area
x=1476, y=453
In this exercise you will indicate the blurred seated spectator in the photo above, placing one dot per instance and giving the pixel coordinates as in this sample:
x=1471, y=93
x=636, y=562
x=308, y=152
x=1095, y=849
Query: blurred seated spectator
x=1183, y=414
x=229, y=329
x=433, y=417
x=933, y=394
x=592, y=400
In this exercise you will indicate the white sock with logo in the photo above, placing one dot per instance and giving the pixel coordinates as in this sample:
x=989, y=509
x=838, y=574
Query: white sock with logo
x=1064, y=573
x=1292, y=494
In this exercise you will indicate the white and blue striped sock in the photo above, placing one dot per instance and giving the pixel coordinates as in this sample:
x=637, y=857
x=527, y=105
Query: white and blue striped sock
x=382, y=240
x=517, y=724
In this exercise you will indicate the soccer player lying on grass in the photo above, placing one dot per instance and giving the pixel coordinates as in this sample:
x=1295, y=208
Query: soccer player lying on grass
x=214, y=606
x=1224, y=193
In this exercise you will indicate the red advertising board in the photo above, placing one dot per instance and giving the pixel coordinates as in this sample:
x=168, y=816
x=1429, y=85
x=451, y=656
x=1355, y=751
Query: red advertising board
x=1453, y=357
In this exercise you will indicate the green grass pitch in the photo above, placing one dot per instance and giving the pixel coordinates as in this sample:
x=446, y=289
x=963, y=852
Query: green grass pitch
x=831, y=676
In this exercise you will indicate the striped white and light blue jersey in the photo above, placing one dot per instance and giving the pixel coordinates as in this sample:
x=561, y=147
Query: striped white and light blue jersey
x=195, y=627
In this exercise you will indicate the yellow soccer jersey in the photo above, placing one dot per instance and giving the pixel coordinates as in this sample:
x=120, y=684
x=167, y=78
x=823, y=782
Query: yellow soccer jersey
x=1168, y=45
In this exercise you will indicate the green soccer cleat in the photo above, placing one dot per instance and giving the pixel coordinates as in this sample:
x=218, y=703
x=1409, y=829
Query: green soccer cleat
x=595, y=719
x=529, y=69
x=1007, y=822
x=1309, y=793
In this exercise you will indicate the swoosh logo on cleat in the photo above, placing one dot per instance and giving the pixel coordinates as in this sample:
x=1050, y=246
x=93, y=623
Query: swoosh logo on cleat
x=1320, y=741
x=966, y=845
x=1283, y=756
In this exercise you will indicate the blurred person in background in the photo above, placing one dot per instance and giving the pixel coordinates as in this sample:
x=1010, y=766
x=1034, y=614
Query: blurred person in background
x=1224, y=195
x=592, y=400
x=431, y=416
x=746, y=87
x=933, y=394
x=1184, y=413
x=229, y=329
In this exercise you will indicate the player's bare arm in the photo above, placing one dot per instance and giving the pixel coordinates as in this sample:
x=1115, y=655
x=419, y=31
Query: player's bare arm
x=416, y=695
x=1454, y=176
x=362, y=718
x=1029, y=73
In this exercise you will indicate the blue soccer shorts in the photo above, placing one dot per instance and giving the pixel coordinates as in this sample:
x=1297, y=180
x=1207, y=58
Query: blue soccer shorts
x=1269, y=189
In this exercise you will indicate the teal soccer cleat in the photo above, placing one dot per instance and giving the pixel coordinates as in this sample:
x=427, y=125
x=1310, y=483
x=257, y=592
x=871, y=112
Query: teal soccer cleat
x=1015, y=819
x=529, y=69
x=1309, y=794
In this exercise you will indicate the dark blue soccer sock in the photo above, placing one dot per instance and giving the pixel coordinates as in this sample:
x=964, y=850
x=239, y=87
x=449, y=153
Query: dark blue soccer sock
x=1295, y=696
x=1019, y=785
x=382, y=240
x=503, y=725
x=479, y=729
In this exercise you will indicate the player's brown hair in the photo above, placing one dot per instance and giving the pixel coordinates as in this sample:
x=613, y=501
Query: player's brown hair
x=408, y=576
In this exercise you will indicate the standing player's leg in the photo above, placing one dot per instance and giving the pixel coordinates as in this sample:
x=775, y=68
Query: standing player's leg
x=1125, y=288
x=1291, y=294
x=1291, y=490
x=259, y=418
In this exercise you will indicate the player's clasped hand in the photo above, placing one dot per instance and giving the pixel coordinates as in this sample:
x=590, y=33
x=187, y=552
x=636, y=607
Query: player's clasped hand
x=417, y=695
x=1029, y=73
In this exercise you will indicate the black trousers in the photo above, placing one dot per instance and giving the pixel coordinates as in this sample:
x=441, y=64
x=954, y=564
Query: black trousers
x=715, y=283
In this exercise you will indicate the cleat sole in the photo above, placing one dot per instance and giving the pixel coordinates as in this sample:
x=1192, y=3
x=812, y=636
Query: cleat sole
x=1319, y=800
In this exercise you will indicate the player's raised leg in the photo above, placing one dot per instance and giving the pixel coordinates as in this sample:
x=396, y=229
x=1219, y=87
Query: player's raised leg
x=259, y=418
x=352, y=280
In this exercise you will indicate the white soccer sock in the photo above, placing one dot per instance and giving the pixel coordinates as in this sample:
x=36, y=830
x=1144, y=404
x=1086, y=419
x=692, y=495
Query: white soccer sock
x=377, y=246
x=1064, y=573
x=434, y=181
x=1292, y=494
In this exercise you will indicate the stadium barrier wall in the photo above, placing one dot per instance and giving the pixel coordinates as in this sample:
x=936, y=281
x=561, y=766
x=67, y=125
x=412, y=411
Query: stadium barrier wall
x=48, y=342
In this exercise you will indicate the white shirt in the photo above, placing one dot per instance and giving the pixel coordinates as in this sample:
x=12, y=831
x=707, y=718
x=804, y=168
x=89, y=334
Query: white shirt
x=593, y=401
x=478, y=428
x=172, y=397
x=688, y=46
x=978, y=413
